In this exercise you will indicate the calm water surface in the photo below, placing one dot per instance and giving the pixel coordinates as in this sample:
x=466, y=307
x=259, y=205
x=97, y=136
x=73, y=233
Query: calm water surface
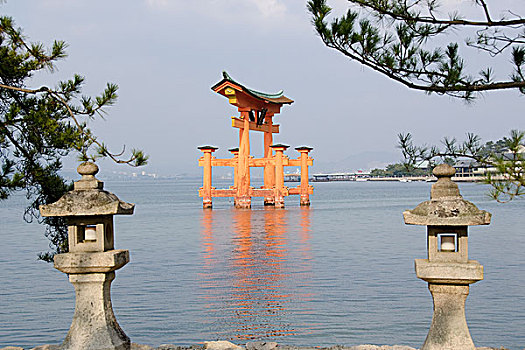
x=340, y=272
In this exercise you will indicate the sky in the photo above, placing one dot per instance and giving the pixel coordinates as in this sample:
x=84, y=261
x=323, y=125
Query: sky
x=166, y=54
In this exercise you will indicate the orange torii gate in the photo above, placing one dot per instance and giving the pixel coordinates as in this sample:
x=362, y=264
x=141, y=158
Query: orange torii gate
x=256, y=110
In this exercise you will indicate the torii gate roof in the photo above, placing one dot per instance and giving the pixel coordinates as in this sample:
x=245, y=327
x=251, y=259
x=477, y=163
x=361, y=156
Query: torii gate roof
x=227, y=81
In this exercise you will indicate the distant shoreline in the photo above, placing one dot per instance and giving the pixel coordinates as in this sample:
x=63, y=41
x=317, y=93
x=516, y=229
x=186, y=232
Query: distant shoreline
x=400, y=179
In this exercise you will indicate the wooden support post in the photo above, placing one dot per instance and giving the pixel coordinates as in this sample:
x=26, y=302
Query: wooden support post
x=243, y=199
x=206, y=179
x=269, y=169
x=304, y=188
x=279, y=174
x=235, y=152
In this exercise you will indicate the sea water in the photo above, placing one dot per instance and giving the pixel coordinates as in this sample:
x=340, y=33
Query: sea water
x=339, y=272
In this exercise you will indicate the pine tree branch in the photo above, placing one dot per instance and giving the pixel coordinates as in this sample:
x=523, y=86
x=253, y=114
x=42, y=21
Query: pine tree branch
x=81, y=128
x=432, y=20
x=429, y=88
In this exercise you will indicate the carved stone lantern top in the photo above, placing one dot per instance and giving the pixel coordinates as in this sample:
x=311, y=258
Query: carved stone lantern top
x=446, y=206
x=88, y=198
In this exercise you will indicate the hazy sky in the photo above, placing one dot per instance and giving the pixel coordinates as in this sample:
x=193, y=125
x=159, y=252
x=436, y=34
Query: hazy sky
x=166, y=54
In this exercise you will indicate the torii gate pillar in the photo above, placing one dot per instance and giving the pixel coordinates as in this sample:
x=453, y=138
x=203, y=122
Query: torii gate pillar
x=206, y=180
x=280, y=190
x=305, y=187
x=242, y=197
x=269, y=169
x=235, y=163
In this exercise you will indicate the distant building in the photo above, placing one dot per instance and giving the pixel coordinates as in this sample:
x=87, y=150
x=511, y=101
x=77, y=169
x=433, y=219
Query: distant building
x=465, y=168
x=292, y=177
x=358, y=176
x=469, y=167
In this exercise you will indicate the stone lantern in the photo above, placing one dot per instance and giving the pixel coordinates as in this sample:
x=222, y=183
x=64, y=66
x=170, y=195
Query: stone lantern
x=91, y=261
x=447, y=269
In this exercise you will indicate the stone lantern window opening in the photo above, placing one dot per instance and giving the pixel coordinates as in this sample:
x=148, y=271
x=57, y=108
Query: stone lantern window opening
x=87, y=233
x=91, y=233
x=448, y=242
x=435, y=241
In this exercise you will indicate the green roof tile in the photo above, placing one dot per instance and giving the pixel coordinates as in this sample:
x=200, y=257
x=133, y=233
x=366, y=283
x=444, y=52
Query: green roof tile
x=253, y=92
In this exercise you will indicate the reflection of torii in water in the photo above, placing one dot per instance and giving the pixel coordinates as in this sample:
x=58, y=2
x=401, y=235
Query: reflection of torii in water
x=259, y=296
x=257, y=110
x=252, y=296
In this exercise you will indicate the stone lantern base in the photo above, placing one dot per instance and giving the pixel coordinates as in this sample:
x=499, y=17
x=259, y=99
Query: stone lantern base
x=448, y=283
x=449, y=330
x=94, y=326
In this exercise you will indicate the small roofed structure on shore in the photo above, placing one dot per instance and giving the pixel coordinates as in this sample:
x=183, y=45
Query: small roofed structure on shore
x=257, y=110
